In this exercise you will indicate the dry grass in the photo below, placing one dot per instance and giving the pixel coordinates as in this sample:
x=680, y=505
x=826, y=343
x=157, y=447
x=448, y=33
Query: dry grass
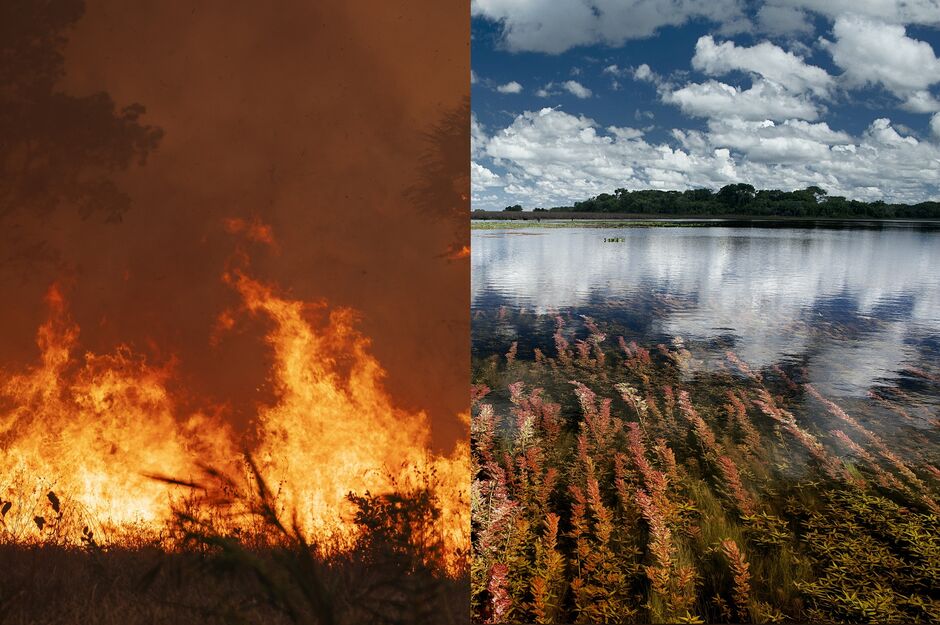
x=270, y=574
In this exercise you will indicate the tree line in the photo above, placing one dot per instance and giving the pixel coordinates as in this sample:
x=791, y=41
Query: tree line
x=743, y=199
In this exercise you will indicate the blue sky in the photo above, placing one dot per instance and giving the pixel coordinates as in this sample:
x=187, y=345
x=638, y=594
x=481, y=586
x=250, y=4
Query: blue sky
x=572, y=98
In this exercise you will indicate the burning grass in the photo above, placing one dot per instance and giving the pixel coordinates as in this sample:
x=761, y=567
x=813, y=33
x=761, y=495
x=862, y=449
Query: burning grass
x=616, y=485
x=114, y=506
x=264, y=571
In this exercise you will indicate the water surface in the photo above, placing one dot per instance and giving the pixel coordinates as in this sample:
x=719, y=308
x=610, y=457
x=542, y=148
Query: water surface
x=661, y=389
x=855, y=309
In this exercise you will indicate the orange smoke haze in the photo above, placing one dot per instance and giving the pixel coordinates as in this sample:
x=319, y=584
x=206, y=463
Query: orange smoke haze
x=308, y=117
x=295, y=134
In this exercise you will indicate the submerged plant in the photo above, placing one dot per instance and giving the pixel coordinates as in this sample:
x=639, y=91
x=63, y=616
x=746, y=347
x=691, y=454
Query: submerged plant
x=619, y=488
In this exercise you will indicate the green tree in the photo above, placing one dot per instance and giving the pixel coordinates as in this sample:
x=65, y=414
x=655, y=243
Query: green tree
x=736, y=196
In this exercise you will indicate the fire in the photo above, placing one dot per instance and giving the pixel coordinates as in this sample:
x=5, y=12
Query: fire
x=86, y=429
x=92, y=427
x=334, y=428
x=458, y=253
x=253, y=230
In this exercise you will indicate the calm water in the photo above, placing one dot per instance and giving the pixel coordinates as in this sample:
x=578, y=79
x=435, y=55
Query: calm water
x=854, y=309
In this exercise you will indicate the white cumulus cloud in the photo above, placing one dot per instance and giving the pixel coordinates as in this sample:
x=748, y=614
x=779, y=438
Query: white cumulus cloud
x=571, y=86
x=926, y=12
x=510, y=87
x=577, y=89
x=554, y=26
x=764, y=59
x=761, y=106
x=875, y=53
x=482, y=178
x=551, y=157
x=792, y=141
x=763, y=100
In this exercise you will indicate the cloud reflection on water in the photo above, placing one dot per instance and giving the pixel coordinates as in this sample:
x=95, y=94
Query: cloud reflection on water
x=854, y=305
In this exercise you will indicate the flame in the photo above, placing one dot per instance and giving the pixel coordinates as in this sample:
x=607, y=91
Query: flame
x=253, y=230
x=458, y=253
x=92, y=427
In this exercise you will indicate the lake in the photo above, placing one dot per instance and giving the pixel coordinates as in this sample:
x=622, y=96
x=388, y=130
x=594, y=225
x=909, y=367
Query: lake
x=854, y=309
x=735, y=422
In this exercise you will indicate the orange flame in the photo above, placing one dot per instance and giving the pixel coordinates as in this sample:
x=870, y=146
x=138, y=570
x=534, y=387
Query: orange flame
x=253, y=230
x=458, y=253
x=91, y=428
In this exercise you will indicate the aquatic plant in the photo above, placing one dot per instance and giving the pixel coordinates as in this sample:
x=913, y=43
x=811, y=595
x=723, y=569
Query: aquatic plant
x=621, y=489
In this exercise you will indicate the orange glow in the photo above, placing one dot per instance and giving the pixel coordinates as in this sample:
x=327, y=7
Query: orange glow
x=91, y=427
x=254, y=230
x=459, y=253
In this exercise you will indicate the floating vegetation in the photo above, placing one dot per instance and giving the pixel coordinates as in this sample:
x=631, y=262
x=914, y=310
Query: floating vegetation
x=613, y=483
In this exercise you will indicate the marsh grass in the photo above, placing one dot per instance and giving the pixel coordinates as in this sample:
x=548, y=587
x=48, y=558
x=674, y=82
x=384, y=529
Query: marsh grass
x=662, y=493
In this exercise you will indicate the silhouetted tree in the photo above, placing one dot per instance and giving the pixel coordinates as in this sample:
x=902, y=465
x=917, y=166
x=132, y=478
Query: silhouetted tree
x=443, y=189
x=57, y=148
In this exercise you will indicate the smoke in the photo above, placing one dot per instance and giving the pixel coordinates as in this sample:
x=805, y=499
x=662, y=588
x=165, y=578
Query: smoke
x=309, y=119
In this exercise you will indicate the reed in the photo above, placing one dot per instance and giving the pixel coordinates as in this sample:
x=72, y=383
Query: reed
x=622, y=489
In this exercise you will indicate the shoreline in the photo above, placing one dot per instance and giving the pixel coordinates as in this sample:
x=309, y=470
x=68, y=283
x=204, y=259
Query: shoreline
x=490, y=220
x=590, y=216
